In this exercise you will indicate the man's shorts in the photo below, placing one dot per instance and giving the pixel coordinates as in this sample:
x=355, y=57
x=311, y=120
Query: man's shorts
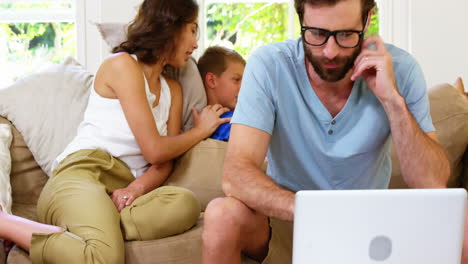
x=280, y=246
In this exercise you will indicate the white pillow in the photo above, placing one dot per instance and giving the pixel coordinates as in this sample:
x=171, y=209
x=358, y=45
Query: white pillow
x=194, y=94
x=5, y=167
x=47, y=107
x=112, y=33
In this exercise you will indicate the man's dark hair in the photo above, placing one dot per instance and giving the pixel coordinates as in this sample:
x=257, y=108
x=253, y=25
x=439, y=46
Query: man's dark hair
x=215, y=59
x=366, y=5
x=156, y=28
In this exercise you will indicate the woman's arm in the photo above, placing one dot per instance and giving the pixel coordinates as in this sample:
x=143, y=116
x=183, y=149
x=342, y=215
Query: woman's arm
x=156, y=174
x=123, y=76
x=148, y=181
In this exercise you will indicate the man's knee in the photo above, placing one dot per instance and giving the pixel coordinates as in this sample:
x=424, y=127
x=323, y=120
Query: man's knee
x=222, y=213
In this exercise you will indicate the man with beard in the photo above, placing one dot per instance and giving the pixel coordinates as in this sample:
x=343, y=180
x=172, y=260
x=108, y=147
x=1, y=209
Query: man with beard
x=324, y=107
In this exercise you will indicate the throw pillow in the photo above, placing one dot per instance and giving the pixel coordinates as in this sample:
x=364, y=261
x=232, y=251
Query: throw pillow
x=47, y=107
x=5, y=168
x=460, y=87
x=449, y=111
x=189, y=77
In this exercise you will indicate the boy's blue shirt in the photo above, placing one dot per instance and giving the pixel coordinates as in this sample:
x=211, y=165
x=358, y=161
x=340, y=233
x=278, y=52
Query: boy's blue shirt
x=224, y=130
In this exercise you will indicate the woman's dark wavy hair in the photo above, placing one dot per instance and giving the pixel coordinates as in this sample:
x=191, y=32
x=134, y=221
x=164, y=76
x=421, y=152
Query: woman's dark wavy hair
x=156, y=28
x=366, y=5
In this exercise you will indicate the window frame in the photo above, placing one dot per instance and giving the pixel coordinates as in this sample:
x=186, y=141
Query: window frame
x=31, y=15
x=395, y=22
x=78, y=16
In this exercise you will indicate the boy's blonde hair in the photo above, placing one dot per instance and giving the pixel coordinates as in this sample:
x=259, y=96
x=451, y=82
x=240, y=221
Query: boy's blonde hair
x=215, y=59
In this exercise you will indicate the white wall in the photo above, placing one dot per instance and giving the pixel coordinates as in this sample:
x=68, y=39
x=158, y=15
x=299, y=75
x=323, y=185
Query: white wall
x=435, y=31
x=439, y=38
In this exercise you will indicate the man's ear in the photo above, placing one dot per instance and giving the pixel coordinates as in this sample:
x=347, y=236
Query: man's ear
x=210, y=80
x=368, y=20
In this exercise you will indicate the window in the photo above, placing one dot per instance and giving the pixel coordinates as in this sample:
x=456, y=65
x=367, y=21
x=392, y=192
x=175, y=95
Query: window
x=34, y=34
x=244, y=25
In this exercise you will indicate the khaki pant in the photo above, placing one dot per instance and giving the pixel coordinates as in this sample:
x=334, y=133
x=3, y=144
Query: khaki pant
x=280, y=246
x=77, y=199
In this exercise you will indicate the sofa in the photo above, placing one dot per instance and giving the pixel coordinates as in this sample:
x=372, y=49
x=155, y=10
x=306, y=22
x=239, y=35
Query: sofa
x=198, y=170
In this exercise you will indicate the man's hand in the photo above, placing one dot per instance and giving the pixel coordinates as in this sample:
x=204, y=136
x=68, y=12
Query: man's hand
x=125, y=196
x=376, y=68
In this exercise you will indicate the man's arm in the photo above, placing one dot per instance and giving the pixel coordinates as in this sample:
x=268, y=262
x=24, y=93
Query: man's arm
x=423, y=162
x=244, y=180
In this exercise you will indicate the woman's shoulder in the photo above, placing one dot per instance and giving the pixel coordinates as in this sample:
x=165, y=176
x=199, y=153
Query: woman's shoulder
x=120, y=66
x=118, y=70
x=120, y=62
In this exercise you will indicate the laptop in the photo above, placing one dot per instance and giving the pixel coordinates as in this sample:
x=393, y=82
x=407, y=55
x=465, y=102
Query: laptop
x=379, y=226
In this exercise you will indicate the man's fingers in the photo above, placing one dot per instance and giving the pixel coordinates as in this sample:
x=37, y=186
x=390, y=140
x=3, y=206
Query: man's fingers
x=365, y=55
x=360, y=68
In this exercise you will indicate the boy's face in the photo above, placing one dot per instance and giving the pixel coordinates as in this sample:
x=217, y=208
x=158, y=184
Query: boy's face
x=227, y=85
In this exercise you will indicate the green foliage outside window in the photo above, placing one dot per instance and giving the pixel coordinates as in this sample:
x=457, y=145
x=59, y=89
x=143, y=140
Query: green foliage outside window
x=246, y=26
x=27, y=47
x=374, y=25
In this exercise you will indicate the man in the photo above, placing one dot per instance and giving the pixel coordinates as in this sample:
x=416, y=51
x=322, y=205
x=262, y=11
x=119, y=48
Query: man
x=324, y=107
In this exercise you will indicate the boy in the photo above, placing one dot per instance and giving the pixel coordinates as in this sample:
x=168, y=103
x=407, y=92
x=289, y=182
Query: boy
x=221, y=70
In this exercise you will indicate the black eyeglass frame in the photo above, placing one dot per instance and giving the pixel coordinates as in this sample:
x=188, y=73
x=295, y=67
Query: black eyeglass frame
x=333, y=33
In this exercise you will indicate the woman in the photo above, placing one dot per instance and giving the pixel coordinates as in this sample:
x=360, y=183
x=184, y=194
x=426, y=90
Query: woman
x=107, y=177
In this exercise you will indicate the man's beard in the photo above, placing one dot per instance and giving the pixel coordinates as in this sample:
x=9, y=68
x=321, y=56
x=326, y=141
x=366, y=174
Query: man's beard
x=331, y=75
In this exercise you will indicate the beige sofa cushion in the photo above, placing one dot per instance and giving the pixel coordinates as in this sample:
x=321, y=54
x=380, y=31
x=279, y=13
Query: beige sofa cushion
x=449, y=111
x=200, y=170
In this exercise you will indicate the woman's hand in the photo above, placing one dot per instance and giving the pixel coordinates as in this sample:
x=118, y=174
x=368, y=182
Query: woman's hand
x=209, y=119
x=125, y=196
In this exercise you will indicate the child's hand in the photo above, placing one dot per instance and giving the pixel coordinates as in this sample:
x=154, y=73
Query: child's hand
x=209, y=118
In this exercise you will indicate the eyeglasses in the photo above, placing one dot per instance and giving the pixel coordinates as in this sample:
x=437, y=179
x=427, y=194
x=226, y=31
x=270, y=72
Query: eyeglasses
x=344, y=38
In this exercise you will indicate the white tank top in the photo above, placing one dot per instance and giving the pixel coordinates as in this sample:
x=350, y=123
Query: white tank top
x=104, y=126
